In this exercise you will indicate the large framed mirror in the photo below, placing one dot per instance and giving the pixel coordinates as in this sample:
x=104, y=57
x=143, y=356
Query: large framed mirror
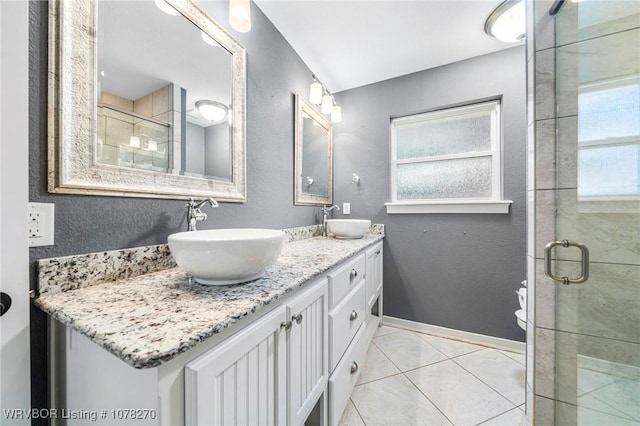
x=313, y=156
x=146, y=99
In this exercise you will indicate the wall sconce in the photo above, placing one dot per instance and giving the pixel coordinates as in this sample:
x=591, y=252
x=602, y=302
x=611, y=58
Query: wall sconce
x=212, y=110
x=319, y=95
x=507, y=22
x=308, y=181
x=240, y=15
x=355, y=179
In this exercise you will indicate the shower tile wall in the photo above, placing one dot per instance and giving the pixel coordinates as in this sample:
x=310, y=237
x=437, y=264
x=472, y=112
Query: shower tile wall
x=572, y=329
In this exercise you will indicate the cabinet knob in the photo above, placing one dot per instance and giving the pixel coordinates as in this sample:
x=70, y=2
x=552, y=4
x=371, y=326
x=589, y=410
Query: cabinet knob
x=297, y=318
x=353, y=316
x=353, y=274
x=286, y=325
x=354, y=367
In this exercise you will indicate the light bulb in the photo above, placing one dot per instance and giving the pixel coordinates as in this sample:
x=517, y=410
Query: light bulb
x=327, y=104
x=240, y=15
x=315, y=94
x=336, y=114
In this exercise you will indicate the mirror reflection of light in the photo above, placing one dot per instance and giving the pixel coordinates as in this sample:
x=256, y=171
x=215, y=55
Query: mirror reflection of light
x=152, y=145
x=212, y=110
x=207, y=39
x=166, y=7
x=134, y=141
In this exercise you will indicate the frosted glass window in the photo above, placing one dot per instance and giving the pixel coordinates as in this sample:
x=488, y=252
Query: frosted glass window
x=462, y=178
x=443, y=136
x=447, y=155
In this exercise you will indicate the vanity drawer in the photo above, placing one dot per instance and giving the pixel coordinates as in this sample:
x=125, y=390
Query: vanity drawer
x=345, y=376
x=344, y=321
x=345, y=278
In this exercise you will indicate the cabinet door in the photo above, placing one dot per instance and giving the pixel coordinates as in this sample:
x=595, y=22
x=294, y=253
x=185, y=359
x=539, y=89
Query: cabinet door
x=307, y=351
x=241, y=381
x=374, y=274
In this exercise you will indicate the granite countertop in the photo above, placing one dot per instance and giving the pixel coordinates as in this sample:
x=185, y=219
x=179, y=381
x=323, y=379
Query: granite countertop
x=150, y=318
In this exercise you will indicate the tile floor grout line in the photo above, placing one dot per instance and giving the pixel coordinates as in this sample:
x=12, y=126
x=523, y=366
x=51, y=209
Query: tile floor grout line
x=496, y=416
x=485, y=383
x=355, y=407
x=429, y=399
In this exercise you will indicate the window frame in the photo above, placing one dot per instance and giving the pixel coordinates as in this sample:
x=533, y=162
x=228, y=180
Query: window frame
x=493, y=204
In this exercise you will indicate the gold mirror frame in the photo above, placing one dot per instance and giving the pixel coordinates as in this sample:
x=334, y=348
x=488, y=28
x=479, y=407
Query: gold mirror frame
x=73, y=114
x=303, y=198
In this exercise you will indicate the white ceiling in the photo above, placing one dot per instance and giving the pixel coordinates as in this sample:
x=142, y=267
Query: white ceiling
x=352, y=43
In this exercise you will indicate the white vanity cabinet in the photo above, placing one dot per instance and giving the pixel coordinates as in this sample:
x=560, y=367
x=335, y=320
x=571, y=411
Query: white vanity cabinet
x=294, y=360
x=374, y=277
x=272, y=372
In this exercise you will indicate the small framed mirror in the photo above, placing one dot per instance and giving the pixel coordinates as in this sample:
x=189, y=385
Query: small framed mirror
x=313, y=156
x=146, y=99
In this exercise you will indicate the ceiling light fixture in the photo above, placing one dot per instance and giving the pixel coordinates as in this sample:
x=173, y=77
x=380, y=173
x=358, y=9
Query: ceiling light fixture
x=507, y=22
x=166, y=7
x=212, y=110
x=240, y=15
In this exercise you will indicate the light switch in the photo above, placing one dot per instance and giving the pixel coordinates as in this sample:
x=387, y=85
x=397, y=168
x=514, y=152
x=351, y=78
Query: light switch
x=346, y=208
x=41, y=224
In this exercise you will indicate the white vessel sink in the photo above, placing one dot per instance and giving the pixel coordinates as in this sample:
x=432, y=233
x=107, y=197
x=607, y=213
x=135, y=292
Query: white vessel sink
x=348, y=228
x=226, y=256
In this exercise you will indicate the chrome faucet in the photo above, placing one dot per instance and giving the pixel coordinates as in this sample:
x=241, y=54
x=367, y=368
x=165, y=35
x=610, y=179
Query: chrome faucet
x=194, y=214
x=325, y=211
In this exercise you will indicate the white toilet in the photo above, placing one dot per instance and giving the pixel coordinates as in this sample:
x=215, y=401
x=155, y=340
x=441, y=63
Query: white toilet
x=521, y=314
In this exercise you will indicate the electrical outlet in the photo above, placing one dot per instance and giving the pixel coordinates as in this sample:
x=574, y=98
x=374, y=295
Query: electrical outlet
x=41, y=224
x=346, y=208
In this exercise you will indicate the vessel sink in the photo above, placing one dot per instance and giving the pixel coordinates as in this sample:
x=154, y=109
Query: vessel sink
x=226, y=256
x=348, y=228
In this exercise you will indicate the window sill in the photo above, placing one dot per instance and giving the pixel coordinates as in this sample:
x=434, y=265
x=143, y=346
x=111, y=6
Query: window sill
x=468, y=207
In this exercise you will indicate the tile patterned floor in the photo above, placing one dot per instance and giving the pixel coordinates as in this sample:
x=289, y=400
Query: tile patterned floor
x=412, y=378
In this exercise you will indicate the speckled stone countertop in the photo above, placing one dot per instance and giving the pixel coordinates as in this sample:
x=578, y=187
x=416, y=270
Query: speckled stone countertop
x=147, y=316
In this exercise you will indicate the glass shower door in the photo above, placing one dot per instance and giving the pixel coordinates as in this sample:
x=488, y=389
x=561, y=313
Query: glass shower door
x=595, y=258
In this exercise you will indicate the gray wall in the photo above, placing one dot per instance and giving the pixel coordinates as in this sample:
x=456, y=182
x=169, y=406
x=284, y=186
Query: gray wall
x=194, y=149
x=451, y=270
x=217, y=151
x=90, y=223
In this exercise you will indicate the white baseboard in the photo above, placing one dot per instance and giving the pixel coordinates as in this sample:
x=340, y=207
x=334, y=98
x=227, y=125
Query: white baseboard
x=478, y=339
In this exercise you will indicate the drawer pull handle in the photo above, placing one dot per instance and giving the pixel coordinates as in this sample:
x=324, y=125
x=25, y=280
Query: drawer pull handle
x=353, y=274
x=354, y=367
x=353, y=316
x=286, y=325
x=297, y=318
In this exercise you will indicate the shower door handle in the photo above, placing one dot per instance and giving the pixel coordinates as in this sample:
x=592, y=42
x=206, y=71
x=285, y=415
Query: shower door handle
x=584, y=260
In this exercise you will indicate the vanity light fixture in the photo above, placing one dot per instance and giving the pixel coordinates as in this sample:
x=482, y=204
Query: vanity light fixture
x=166, y=7
x=507, y=22
x=327, y=103
x=319, y=95
x=212, y=110
x=336, y=113
x=315, y=93
x=240, y=15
